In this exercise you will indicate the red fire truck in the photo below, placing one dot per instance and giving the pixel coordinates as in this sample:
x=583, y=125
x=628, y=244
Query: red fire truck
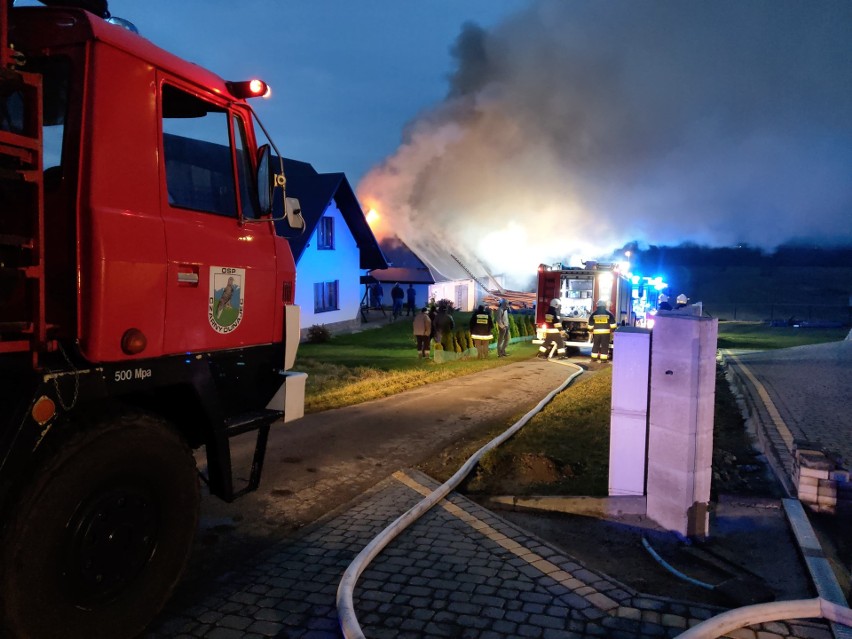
x=579, y=289
x=147, y=311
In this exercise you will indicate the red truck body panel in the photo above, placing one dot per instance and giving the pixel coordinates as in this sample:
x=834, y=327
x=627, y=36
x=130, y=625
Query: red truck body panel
x=147, y=311
x=143, y=263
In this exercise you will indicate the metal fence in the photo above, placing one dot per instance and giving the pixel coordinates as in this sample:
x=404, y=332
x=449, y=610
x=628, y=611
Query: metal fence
x=788, y=313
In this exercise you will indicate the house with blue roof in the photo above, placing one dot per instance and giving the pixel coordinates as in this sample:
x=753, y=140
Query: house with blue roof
x=336, y=247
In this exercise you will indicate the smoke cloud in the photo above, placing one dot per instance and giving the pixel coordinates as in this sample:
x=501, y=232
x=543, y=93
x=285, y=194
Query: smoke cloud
x=576, y=127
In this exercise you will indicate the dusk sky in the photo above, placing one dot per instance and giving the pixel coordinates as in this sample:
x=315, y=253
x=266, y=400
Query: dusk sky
x=520, y=132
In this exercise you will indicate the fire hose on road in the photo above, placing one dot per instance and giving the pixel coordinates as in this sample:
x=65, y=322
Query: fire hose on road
x=716, y=626
x=345, y=606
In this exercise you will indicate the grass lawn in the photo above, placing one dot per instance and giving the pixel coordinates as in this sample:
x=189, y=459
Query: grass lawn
x=564, y=450
x=756, y=335
x=382, y=361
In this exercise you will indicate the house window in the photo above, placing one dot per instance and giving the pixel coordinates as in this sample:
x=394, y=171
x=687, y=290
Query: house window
x=325, y=233
x=325, y=296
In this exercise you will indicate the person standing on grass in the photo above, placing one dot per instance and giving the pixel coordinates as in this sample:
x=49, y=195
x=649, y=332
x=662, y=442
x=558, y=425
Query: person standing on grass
x=411, y=301
x=422, y=332
x=442, y=324
x=378, y=293
x=502, y=327
x=397, y=295
x=481, y=326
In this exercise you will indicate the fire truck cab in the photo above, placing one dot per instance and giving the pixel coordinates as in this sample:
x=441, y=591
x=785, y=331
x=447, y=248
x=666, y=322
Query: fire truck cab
x=147, y=312
x=579, y=289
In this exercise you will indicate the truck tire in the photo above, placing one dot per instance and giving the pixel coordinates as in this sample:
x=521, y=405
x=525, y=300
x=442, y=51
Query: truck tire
x=99, y=538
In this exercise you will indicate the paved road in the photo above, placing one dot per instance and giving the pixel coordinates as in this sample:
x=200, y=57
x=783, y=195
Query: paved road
x=325, y=459
x=800, y=394
x=459, y=571
x=463, y=571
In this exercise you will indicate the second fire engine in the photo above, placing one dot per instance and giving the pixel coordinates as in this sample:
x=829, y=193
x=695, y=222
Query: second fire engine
x=579, y=289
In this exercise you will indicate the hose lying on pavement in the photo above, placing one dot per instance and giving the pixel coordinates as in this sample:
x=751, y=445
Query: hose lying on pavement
x=345, y=607
x=727, y=622
x=672, y=569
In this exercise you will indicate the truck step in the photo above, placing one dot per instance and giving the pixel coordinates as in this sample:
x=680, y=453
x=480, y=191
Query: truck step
x=250, y=421
x=15, y=141
x=14, y=346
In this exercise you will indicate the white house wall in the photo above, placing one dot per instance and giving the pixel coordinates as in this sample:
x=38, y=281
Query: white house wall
x=341, y=264
x=462, y=293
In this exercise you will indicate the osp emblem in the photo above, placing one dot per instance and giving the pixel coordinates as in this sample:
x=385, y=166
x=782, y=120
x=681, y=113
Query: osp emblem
x=226, y=298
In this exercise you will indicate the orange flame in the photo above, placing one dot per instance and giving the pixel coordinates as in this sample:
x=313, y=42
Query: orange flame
x=377, y=221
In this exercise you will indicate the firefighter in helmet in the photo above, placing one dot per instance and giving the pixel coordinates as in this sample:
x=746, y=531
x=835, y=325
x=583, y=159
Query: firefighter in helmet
x=602, y=325
x=681, y=300
x=552, y=332
x=663, y=303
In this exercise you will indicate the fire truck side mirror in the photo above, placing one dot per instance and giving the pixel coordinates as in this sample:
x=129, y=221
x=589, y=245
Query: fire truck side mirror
x=267, y=181
x=293, y=213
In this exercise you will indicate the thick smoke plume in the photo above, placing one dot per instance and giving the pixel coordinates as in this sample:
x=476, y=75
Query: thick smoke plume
x=577, y=127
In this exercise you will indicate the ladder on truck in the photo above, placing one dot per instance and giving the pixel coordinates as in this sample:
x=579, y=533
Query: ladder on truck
x=23, y=326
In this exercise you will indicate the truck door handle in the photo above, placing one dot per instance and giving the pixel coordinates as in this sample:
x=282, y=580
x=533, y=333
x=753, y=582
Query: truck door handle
x=187, y=275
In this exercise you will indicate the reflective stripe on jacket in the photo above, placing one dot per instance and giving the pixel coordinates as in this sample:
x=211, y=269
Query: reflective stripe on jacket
x=602, y=322
x=551, y=317
x=481, y=325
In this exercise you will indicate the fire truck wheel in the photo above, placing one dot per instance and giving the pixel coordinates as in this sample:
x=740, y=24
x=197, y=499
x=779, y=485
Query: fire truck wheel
x=101, y=534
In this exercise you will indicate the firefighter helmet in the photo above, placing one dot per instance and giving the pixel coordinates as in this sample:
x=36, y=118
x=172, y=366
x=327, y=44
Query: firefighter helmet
x=555, y=302
x=682, y=299
x=601, y=303
x=663, y=298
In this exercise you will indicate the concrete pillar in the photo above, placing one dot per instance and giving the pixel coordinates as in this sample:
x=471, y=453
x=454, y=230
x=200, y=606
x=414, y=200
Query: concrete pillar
x=680, y=433
x=629, y=413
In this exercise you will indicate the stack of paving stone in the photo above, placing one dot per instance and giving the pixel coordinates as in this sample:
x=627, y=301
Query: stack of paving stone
x=822, y=484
